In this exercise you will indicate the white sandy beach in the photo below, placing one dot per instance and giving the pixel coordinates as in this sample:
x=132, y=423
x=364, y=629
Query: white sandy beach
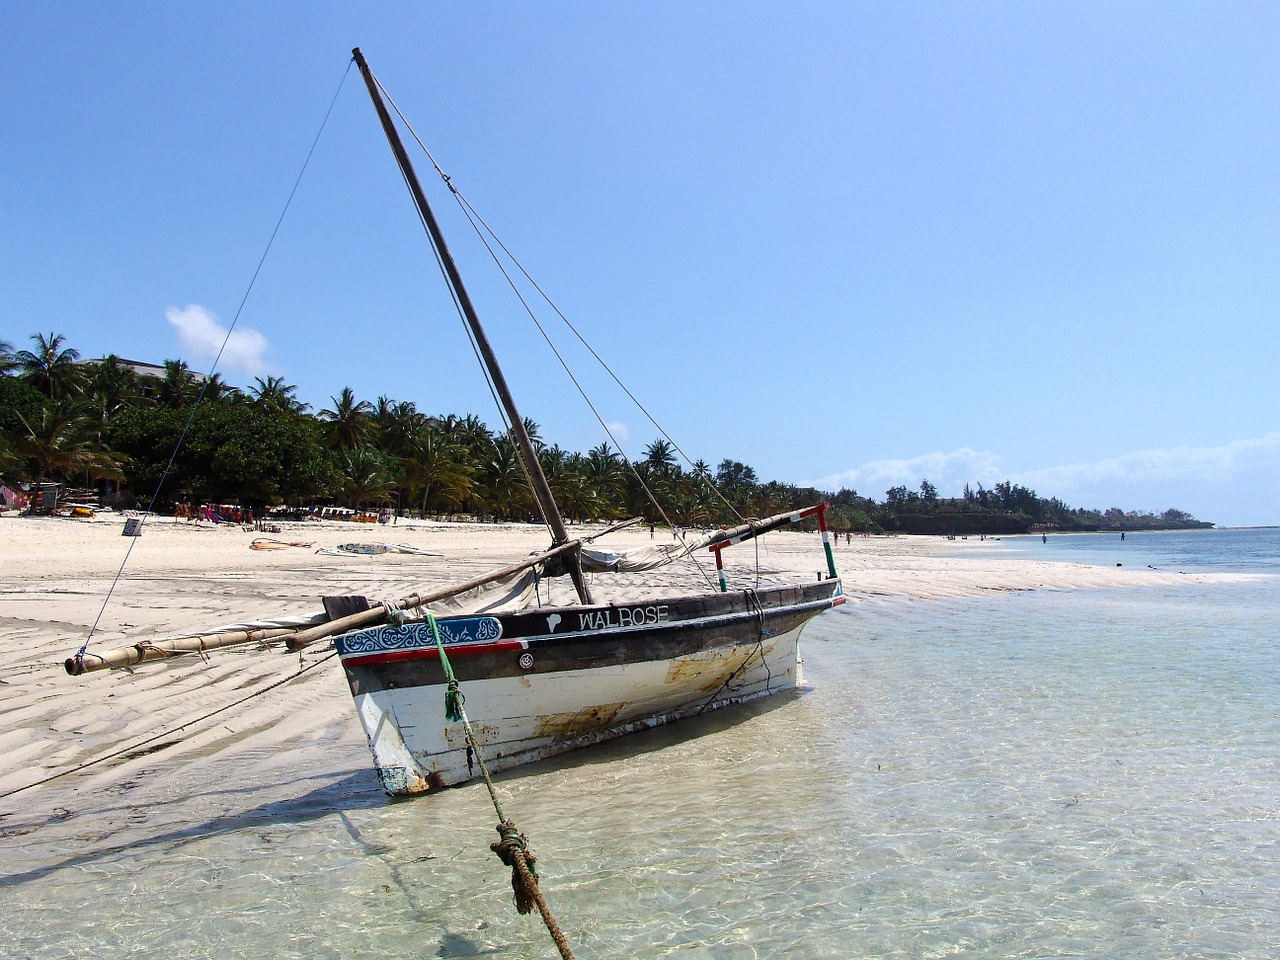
x=182, y=577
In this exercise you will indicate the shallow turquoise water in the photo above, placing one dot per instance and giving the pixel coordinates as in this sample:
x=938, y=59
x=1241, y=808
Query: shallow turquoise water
x=1079, y=774
x=1240, y=550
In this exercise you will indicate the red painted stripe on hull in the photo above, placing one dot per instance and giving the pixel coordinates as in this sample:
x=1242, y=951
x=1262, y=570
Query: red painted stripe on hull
x=431, y=653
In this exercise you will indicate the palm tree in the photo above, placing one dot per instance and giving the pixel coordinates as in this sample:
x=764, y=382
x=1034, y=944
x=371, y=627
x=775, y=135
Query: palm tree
x=366, y=475
x=661, y=456
x=62, y=442
x=8, y=363
x=535, y=433
x=705, y=493
x=435, y=466
x=109, y=388
x=470, y=431
x=215, y=388
x=577, y=495
x=178, y=387
x=608, y=475
x=737, y=482
x=51, y=368
x=110, y=385
x=349, y=423
x=274, y=394
x=504, y=479
x=12, y=465
x=688, y=507
x=395, y=426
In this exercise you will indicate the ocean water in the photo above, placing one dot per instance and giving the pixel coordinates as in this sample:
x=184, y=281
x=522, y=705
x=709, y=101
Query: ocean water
x=1248, y=549
x=1092, y=773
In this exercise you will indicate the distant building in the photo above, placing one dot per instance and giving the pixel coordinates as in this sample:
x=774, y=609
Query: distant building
x=144, y=371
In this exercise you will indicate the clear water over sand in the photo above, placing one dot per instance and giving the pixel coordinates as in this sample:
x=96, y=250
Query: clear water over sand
x=1092, y=773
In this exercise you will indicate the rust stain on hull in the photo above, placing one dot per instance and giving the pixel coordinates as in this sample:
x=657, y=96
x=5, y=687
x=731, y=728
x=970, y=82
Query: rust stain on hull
x=709, y=674
x=562, y=726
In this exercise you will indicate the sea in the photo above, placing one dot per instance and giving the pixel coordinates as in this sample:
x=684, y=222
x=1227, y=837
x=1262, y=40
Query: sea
x=1090, y=773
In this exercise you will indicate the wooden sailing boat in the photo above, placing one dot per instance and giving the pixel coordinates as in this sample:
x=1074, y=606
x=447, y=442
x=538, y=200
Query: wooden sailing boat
x=538, y=679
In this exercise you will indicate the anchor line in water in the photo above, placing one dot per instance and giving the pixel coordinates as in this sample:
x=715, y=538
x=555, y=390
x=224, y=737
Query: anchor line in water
x=513, y=848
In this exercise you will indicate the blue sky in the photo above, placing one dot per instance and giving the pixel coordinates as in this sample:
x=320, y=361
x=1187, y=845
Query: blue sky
x=849, y=244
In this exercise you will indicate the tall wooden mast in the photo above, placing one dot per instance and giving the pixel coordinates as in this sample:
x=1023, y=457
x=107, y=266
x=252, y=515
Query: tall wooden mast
x=541, y=489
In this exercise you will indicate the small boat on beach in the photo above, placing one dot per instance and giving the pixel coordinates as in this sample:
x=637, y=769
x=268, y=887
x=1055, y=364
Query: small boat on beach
x=539, y=676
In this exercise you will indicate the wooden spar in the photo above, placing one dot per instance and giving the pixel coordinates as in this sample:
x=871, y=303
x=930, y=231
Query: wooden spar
x=164, y=649
x=538, y=480
x=754, y=528
x=295, y=638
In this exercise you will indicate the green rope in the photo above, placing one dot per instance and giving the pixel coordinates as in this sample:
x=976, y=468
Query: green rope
x=453, y=698
x=513, y=849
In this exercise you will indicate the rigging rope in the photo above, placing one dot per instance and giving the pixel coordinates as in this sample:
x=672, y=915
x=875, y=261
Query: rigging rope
x=705, y=478
x=453, y=296
x=753, y=600
x=204, y=387
x=469, y=212
x=477, y=223
x=513, y=847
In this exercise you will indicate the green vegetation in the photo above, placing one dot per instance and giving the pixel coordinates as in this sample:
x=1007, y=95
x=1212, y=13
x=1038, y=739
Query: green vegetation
x=102, y=425
x=1006, y=508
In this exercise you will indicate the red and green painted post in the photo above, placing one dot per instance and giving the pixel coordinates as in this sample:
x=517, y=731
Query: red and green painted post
x=820, y=511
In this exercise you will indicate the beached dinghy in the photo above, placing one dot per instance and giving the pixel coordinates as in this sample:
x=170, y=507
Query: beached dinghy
x=539, y=678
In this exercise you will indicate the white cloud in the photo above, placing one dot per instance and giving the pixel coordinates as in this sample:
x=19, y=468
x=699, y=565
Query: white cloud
x=949, y=472
x=1234, y=483
x=1209, y=464
x=203, y=335
x=619, y=431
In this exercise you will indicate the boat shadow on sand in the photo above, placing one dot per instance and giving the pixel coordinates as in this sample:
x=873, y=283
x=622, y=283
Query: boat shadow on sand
x=354, y=790
x=351, y=791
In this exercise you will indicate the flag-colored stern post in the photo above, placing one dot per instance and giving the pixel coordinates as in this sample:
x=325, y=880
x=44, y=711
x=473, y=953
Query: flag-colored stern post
x=826, y=539
x=754, y=528
x=724, y=583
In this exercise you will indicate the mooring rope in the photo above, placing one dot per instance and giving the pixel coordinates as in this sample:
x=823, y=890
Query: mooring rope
x=513, y=847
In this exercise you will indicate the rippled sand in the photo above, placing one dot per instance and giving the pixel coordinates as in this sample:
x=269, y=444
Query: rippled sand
x=181, y=577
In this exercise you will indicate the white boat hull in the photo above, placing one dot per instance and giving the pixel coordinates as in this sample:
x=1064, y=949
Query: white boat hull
x=597, y=683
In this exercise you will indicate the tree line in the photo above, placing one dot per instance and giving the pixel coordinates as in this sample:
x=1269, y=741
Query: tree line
x=100, y=424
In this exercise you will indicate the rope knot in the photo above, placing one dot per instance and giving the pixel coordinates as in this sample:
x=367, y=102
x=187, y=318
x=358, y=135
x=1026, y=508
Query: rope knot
x=513, y=850
x=453, y=701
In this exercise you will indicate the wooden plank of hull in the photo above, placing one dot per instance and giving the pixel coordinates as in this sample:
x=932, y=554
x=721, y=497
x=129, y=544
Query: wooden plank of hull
x=578, y=687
